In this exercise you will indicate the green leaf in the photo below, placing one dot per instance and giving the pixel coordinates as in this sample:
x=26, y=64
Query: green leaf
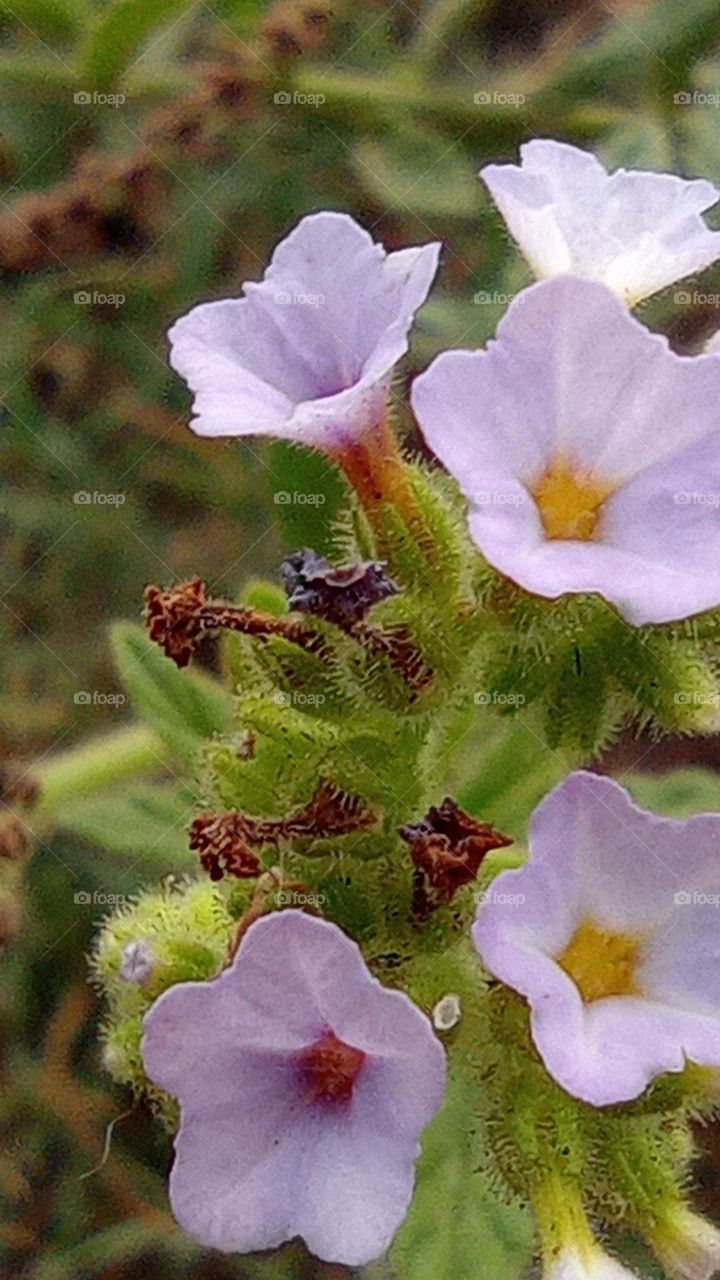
x=36, y=77
x=149, y=823
x=679, y=794
x=47, y=19
x=113, y=43
x=307, y=492
x=240, y=15
x=416, y=169
x=516, y=772
x=184, y=707
x=456, y=1230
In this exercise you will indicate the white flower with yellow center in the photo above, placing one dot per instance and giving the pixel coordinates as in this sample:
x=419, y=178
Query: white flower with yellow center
x=612, y=934
x=589, y=452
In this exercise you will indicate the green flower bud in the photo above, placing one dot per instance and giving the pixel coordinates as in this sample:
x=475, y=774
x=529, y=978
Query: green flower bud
x=179, y=933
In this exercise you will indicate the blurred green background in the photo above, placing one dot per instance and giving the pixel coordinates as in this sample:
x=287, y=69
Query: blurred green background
x=152, y=152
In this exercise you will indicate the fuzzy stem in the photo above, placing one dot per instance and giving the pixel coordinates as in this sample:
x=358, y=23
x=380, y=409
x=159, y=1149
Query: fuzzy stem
x=376, y=469
x=378, y=473
x=251, y=622
x=81, y=770
x=561, y=1219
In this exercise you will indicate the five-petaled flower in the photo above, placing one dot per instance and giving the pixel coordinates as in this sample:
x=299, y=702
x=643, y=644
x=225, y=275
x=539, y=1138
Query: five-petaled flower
x=580, y=440
x=307, y=354
x=634, y=230
x=304, y=1087
x=613, y=940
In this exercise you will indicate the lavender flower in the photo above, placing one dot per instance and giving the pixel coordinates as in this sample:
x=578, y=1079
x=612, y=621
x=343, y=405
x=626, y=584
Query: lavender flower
x=589, y=452
x=304, y=1086
x=308, y=353
x=611, y=934
x=636, y=231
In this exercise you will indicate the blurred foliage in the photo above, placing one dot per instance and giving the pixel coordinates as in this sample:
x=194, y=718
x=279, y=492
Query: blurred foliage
x=150, y=157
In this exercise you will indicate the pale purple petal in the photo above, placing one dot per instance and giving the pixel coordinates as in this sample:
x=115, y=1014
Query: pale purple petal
x=259, y=1159
x=307, y=354
x=239, y=1154
x=364, y=1167
x=636, y=231
x=573, y=376
x=596, y=856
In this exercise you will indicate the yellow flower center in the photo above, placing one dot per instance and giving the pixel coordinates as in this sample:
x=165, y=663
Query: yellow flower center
x=602, y=963
x=570, y=501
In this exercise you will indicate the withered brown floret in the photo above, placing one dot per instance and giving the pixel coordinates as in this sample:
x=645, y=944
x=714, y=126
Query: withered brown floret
x=221, y=841
x=177, y=616
x=447, y=848
x=174, y=618
x=341, y=594
x=227, y=842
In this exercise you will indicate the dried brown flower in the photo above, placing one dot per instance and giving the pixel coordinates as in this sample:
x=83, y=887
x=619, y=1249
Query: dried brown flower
x=177, y=616
x=447, y=847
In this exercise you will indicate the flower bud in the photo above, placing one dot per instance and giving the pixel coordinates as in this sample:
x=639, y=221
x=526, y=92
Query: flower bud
x=138, y=963
x=590, y=1263
x=180, y=933
x=570, y=1251
x=687, y=1245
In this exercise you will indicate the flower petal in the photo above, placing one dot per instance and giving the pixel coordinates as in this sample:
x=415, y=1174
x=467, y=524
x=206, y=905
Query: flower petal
x=238, y=1167
x=307, y=353
x=572, y=376
x=260, y=1156
x=596, y=856
x=636, y=231
x=360, y=1184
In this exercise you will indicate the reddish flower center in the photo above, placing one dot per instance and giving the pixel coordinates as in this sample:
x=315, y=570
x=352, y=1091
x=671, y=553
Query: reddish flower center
x=331, y=1068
